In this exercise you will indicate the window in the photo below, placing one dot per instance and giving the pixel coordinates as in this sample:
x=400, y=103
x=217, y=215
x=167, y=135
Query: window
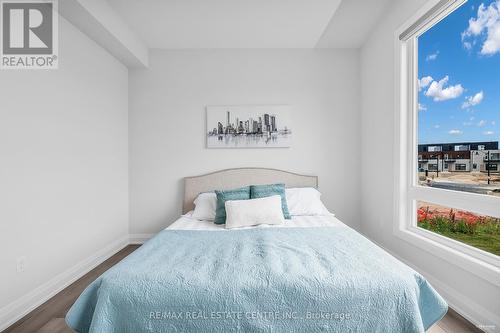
x=461, y=148
x=476, y=230
x=492, y=167
x=454, y=81
x=448, y=103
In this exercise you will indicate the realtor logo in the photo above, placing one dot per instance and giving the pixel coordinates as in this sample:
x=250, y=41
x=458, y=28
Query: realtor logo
x=29, y=34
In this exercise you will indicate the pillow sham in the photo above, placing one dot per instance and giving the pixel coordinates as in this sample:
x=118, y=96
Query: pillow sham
x=204, y=206
x=242, y=193
x=262, y=191
x=246, y=213
x=305, y=201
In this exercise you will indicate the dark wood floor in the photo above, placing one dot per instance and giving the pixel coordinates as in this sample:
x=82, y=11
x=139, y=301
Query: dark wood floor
x=49, y=317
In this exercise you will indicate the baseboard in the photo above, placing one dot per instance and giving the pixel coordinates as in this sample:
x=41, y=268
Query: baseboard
x=463, y=305
x=16, y=310
x=139, y=238
x=467, y=308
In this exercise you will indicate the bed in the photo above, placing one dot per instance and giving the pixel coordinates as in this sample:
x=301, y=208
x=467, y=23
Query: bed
x=311, y=274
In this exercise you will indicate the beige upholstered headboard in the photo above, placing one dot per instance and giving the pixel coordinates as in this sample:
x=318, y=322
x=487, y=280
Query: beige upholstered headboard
x=233, y=178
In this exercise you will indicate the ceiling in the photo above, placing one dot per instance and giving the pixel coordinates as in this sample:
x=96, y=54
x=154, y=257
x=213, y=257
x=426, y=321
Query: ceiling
x=186, y=24
x=352, y=23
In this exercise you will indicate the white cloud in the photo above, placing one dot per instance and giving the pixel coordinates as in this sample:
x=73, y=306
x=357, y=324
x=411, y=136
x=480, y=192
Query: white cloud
x=473, y=100
x=485, y=26
x=492, y=44
x=424, y=82
x=439, y=93
x=481, y=123
x=432, y=56
x=488, y=133
x=493, y=123
x=422, y=107
x=455, y=132
x=437, y=126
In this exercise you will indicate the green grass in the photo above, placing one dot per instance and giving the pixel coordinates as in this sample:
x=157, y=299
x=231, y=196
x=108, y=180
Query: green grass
x=484, y=236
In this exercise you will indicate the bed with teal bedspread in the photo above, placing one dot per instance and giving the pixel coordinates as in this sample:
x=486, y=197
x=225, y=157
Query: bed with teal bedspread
x=324, y=279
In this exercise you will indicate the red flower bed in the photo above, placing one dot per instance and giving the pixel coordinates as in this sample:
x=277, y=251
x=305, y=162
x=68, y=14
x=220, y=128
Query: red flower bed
x=424, y=214
x=469, y=218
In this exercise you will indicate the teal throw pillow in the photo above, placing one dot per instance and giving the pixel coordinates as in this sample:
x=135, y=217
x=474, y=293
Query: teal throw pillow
x=262, y=191
x=223, y=196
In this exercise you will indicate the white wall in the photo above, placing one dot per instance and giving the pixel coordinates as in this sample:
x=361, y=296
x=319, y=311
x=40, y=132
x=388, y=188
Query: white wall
x=472, y=296
x=167, y=123
x=63, y=163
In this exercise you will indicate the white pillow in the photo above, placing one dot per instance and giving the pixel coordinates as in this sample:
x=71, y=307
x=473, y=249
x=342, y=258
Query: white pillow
x=305, y=201
x=204, y=206
x=245, y=213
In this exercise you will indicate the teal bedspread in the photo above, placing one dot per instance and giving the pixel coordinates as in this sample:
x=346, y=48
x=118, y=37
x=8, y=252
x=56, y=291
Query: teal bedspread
x=324, y=279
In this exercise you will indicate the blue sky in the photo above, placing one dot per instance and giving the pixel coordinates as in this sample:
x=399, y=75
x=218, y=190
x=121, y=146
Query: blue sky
x=459, y=76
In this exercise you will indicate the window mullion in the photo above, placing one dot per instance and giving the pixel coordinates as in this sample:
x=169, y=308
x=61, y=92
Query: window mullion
x=476, y=203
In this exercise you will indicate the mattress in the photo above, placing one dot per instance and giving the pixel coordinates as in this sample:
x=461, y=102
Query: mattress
x=186, y=222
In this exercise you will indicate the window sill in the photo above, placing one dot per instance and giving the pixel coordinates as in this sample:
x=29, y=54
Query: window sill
x=436, y=246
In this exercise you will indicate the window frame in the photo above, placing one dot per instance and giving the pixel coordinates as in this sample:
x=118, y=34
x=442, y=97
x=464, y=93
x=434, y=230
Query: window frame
x=407, y=191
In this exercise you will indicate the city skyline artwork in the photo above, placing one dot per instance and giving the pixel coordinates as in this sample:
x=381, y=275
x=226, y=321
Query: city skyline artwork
x=248, y=126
